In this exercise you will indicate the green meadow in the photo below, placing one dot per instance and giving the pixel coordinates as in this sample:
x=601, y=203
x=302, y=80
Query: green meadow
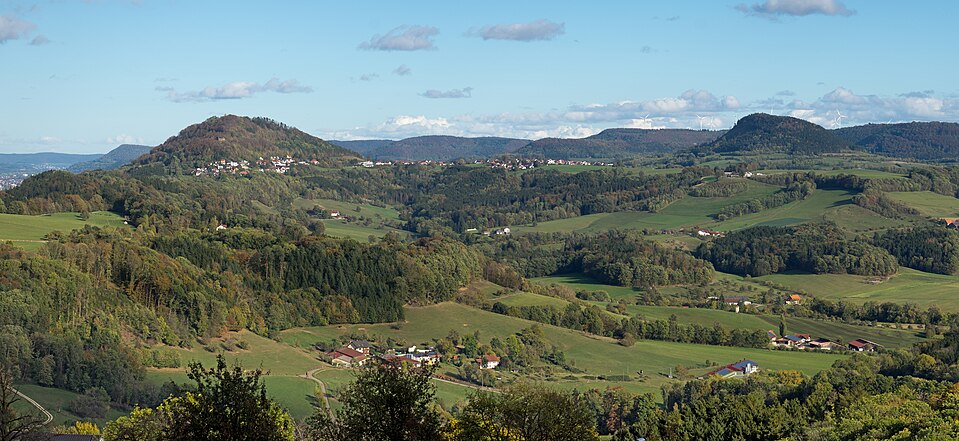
x=908, y=286
x=597, y=356
x=56, y=401
x=928, y=203
x=28, y=231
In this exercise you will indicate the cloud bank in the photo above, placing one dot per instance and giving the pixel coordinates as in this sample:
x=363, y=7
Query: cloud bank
x=235, y=90
x=13, y=28
x=796, y=8
x=403, y=38
x=465, y=92
x=538, y=30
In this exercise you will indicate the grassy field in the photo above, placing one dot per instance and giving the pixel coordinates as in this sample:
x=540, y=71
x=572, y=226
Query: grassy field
x=348, y=208
x=861, y=172
x=820, y=328
x=355, y=231
x=595, y=355
x=282, y=364
x=28, y=231
x=928, y=203
x=832, y=205
x=924, y=289
x=56, y=401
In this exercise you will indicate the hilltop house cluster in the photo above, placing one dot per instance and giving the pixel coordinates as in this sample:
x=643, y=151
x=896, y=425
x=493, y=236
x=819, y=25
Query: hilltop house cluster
x=514, y=164
x=805, y=341
x=273, y=164
x=357, y=353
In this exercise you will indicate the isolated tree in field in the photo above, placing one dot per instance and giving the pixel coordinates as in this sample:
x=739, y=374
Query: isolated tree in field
x=385, y=402
x=13, y=425
x=525, y=412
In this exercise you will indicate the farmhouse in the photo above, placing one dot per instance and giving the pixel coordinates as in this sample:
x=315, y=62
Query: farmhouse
x=862, y=345
x=361, y=346
x=488, y=362
x=346, y=357
x=822, y=344
x=741, y=368
x=794, y=299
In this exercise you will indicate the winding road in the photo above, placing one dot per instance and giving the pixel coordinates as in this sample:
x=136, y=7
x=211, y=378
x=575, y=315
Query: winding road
x=47, y=414
x=326, y=400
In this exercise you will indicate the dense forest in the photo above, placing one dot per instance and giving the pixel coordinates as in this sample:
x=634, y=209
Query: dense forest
x=815, y=248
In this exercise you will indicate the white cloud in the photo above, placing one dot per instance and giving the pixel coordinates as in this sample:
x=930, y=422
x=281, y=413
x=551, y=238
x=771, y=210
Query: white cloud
x=124, y=139
x=403, y=38
x=797, y=8
x=538, y=30
x=402, y=70
x=13, y=28
x=235, y=90
x=465, y=92
x=369, y=77
x=863, y=109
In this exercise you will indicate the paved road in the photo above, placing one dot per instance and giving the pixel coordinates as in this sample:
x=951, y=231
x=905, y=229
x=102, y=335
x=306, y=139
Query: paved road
x=326, y=401
x=48, y=415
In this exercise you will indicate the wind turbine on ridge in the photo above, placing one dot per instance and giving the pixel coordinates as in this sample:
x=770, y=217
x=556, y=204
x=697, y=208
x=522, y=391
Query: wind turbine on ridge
x=701, y=118
x=839, y=117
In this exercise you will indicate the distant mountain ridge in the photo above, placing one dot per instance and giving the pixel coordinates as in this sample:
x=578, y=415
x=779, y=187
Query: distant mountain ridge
x=918, y=140
x=763, y=133
x=619, y=143
x=436, y=147
x=39, y=162
x=113, y=159
x=232, y=137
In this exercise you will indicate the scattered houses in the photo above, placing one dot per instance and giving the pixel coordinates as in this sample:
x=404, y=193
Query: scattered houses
x=273, y=164
x=706, y=233
x=741, y=368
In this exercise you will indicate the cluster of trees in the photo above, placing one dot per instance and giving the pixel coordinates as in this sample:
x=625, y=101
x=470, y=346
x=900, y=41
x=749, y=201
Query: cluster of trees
x=933, y=249
x=723, y=188
x=597, y=321
x=796, y=191
x=626, y=259
x=816, y=248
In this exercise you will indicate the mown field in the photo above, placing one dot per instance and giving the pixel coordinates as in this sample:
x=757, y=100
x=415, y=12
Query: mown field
x=908, y=286
x=597, y=356
x=282, y=364
x=56, y=402
x=690, y=212
x=28, y=231
x=356, y=230
x=833, y=330
x=928, y=203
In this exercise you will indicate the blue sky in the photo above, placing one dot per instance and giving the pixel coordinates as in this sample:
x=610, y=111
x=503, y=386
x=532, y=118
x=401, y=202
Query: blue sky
x=84, y=76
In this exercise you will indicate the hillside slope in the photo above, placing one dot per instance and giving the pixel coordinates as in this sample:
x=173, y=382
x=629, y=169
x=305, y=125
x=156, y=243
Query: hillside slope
x=234, y=137
x=762, y=133
x=619, y=143
x=115, y=158
x=918, y=140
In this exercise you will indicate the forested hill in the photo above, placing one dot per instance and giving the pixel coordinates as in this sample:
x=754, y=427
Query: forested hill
x=232, y=137
x=445, y=148
x=619, y=143
x=363, y=146
x=763, y=133
x=919, y=140
x=115, y=158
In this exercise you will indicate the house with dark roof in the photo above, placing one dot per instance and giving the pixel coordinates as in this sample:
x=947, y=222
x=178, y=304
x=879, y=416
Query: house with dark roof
x=362, y=346
x=822, y=344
